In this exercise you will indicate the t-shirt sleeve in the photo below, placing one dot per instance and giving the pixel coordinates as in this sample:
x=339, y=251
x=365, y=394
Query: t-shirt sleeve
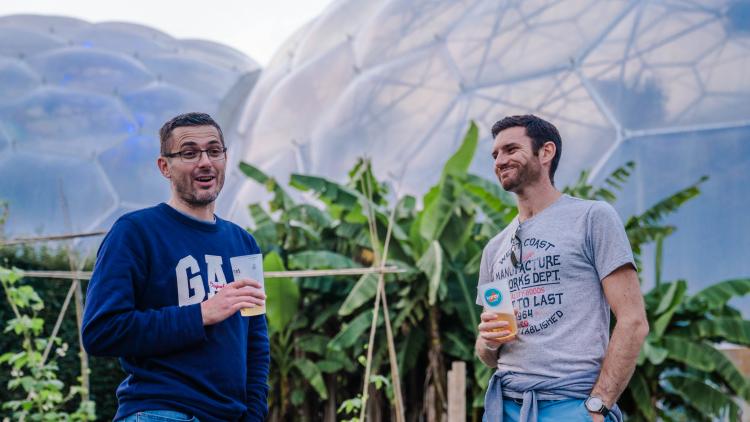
x=485, y=275
x=607, y=244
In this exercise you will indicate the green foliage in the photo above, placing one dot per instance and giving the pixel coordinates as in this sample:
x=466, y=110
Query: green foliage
x=106, y=371
x=319, y=326
x=37, y=381
x=283, y=295
x=680, y=371
x=431, y=303
x=433, y=246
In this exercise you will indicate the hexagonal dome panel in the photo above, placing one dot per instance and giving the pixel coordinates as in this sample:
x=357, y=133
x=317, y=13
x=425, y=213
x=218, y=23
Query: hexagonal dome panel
x=81, y=108
x=665, y=83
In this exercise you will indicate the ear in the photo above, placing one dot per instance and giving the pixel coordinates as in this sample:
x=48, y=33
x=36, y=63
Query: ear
x=163, y=165
x=547, y=152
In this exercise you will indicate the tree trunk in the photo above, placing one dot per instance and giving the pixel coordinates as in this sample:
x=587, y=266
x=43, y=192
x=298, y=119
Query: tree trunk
x=329, y=414
x=414, y=397
x=284, y=402
x=436, y=367
x=374, y=405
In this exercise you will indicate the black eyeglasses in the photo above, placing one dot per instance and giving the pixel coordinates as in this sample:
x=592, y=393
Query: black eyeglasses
x=515, y=243
x=193, y=155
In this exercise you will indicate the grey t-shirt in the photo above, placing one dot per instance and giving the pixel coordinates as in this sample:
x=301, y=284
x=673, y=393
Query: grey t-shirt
x=563, y=317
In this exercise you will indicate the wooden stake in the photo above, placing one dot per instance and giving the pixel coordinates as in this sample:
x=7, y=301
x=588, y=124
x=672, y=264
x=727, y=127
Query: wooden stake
x=380, y=296
x=86, y=275
x=457, y=392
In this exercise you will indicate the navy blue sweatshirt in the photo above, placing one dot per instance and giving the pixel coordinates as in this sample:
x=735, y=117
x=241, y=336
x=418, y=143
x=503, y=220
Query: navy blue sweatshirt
x=152, y=271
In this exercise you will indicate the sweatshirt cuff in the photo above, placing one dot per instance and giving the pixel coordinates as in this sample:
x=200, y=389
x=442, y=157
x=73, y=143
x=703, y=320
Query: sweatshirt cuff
x=193, y=328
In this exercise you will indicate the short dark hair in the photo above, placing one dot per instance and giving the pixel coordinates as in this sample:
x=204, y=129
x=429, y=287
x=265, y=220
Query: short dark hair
x=539, y=130
x=187, y=119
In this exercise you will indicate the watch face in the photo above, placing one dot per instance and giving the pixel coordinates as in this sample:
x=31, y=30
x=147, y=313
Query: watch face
x=594, y=404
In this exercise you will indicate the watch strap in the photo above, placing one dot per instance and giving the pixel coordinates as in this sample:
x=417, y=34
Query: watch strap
x=602, y=410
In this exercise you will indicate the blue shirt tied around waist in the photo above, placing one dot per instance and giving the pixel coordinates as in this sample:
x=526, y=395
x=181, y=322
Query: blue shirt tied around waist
x=533, y=388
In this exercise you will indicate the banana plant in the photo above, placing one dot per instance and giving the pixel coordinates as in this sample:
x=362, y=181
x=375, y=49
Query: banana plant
x=681, y=373
x=438, y=247
x=313, y=349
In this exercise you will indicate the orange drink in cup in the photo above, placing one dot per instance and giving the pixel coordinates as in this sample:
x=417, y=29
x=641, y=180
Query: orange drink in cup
x=496, y=298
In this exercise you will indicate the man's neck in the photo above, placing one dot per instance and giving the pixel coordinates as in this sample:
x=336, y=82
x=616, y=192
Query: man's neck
x=205, y=213
x=535, y=198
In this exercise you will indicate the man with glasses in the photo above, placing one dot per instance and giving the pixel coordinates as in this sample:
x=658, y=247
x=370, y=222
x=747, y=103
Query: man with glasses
x=567, y=262
x=163, y=298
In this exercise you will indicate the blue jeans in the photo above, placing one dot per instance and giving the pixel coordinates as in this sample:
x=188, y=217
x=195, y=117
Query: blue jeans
x=571, y=410
x=159, y=416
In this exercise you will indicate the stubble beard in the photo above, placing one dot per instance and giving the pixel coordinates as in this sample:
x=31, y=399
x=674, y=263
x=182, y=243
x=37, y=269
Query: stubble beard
x=197, y=198
x=525, y=176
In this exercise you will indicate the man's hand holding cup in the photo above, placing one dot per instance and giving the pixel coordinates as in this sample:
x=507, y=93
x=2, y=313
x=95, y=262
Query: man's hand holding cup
x=494, y=331
x=244, y=293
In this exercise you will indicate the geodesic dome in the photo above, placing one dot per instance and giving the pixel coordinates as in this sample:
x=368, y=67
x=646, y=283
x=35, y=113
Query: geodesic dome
x=80, y=112
x=663, y=83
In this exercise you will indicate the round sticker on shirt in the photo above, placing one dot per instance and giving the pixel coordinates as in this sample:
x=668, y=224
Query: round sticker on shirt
x=493, y=297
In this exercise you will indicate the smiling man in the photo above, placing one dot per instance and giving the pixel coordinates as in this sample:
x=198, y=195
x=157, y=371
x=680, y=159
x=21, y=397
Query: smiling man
x=163, y=298
x=567, y=262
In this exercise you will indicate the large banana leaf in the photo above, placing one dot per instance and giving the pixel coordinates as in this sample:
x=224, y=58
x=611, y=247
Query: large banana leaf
x=639, y=235
x=670, y=204
x=300, y=235
x=439, y=204
x=732, y=376
x=309, y=214
x=645, y=228
x=254, y=173
x=328, y=191
x=362, y=292
x=329, y=366
x=697, y=355
x=281, y=200
x=703, y=397
x=582, y=189
x=440, y=200
x=496, y=204
x=431, y=263
x=457, y=232
x=618, y=177
x=406, y=207
x=735, y=330
x=351, y=331
x=654, y=297
x=672, y=298
x=641, y=396
x=320, y=260
x=460, y=161
x=341, y=358
x=704, y=357
x=282, y=295
x=312, y=375
x=313, y=343
x=497, y=198
x=265, y=228
x=652, y=351
x=667, y=307
x=717, y=295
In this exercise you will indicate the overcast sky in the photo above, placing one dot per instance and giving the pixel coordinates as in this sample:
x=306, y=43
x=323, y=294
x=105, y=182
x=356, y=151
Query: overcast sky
x=255, y=27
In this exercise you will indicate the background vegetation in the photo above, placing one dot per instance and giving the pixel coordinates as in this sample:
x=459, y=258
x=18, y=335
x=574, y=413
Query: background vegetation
x=319, y=326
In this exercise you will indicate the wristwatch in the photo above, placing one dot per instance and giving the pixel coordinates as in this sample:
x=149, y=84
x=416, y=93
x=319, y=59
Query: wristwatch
x=596, y=405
